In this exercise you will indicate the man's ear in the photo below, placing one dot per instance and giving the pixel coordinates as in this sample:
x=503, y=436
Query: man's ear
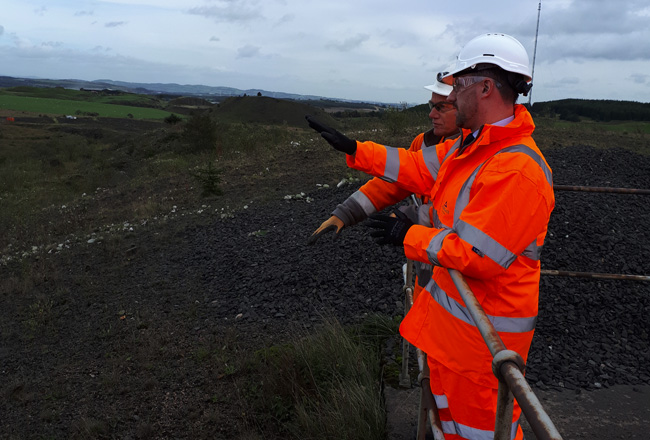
x=486, y=86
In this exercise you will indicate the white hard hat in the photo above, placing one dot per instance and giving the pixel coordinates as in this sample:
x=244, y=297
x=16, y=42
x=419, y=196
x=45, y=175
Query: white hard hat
x=499, y=49
x=439, y=88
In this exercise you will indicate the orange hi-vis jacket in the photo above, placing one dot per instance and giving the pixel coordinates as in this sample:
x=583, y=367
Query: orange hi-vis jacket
x=378, y=194
x=491, y=203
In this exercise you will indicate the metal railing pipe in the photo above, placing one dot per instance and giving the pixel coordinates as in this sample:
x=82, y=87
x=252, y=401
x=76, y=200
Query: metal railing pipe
x=407, y=271
x=490, y=335
x=601, y=189
x=404, y=376
x=428, y=408
x=537, y=418
x=507, y=371
x=603, y=276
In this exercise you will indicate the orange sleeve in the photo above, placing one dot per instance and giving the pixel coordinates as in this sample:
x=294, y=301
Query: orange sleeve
x=382, y=193
x=410, y=170
x=509, y=208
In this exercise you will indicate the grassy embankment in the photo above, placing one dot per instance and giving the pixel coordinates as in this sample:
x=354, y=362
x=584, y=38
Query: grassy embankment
x=73, y=102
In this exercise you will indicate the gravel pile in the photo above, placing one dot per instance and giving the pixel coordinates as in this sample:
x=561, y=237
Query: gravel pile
x=256, y=268
x=116, y=329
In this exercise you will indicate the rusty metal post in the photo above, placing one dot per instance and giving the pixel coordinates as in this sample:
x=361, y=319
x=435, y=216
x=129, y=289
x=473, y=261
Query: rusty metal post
x=505, y=406
x=428, y=408
x=539, y=421
x=602, y=276
x=507, y=366
x=490, y=335
x=601, y=189
x=404, y=376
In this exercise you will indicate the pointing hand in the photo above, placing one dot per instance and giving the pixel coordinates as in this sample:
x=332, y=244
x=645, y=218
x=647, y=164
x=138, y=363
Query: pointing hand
x=335, y=138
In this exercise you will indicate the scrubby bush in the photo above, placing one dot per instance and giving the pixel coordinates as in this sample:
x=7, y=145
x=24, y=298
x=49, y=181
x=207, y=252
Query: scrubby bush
x=173, y=119
x=200, y=132
x=209, y=179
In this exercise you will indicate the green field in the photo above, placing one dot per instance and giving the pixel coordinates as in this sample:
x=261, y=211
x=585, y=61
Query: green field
x=53, y=106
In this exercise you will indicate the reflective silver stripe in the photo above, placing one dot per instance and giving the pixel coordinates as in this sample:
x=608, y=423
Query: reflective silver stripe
x=459, y=311
x=533, y=155
x=469, y=433
x=453, y=149
x=513, y=430
x=391, y=171
x=436, y=244
x=435, y=220
x=441, y=401
x=466, y=432
x=463, y=195
x=533, y=251
x=423, y=214
x=486, y=244
x=364, y=202
x=431, y=161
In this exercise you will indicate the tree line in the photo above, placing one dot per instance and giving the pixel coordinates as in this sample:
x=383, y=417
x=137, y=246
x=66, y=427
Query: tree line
x=601, y=110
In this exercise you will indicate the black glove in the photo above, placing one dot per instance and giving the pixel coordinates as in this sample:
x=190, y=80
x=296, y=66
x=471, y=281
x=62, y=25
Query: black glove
x=389, y=229
x=336, y=139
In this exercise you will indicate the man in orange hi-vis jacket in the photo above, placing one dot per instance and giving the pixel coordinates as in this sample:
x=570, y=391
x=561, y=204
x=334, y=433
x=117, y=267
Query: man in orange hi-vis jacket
x=492, y=197
x=378, y=194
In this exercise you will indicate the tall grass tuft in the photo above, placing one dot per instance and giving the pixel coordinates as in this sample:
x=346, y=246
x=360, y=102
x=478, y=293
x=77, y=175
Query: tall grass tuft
x=323, y=385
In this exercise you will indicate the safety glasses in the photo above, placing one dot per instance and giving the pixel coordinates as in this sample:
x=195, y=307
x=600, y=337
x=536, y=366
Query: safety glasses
x=441, y=107
x=464, y=82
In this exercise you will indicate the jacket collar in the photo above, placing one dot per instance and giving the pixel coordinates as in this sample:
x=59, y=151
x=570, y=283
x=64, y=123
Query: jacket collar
x=521, y=125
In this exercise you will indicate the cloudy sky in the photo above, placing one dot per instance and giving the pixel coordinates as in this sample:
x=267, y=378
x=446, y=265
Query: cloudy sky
x=355, y=49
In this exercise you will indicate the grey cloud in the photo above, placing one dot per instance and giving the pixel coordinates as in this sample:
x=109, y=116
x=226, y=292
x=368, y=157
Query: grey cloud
x=215, y=39
x=634, y=46
x=286, y=18
x=570, y=80
x=598, y=29
x=248, y=51
x=112, y=24
x=83, y=13
x=640, y=78
x=2, y=30
x=40, y=11
x=349, y=43
x=596, y=17
x=52, y=44
x=230, y=13
x=397, y=38
x=568, y=85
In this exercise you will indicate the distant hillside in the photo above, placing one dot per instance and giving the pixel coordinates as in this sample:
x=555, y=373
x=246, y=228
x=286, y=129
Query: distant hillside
x=599, y=110
x=214, y=94
x=265, y=110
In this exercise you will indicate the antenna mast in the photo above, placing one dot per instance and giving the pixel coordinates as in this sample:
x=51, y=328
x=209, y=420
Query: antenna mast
x=530, y=94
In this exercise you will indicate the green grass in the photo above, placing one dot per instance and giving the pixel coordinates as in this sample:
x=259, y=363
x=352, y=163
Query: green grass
x=55, y=106
x=334, y=376
x=79, y=95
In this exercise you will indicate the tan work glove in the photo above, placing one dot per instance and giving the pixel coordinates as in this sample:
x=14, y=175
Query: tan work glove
x=331, y=224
